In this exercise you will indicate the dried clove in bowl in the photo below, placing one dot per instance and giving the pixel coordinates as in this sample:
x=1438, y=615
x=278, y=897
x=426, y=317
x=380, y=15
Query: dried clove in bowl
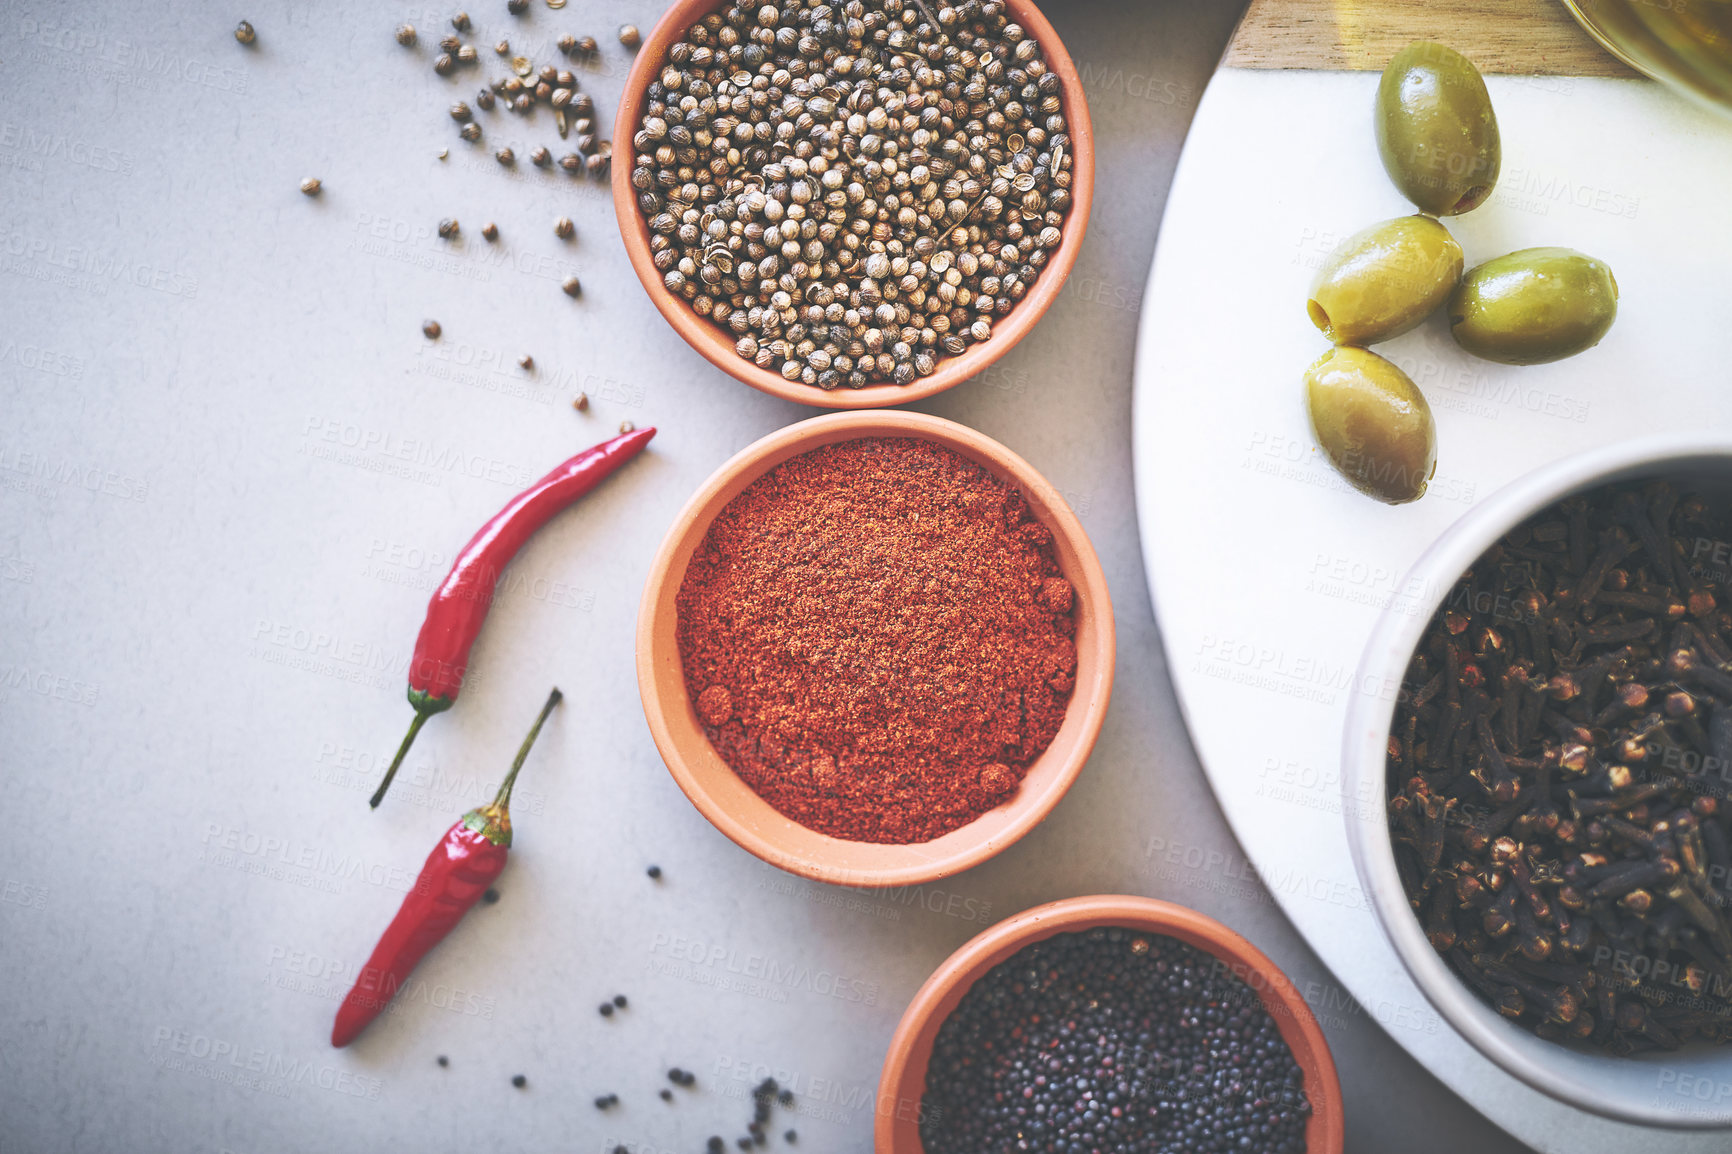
x=1559, y=770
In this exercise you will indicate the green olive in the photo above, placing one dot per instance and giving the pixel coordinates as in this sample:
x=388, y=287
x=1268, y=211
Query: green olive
x=1533, y=306
x=1436, y=130
x=1383, y=281
x=1373, y=422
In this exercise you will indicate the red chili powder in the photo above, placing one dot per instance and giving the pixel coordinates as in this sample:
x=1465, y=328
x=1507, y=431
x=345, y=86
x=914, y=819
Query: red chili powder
x=878, y=639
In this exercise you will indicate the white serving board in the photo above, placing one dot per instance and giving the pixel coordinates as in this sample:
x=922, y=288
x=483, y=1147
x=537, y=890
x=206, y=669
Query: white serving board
x=1268, y=572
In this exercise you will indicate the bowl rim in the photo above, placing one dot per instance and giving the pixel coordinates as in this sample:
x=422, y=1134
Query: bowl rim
x=715, y=346
x=908, y=1053
x=1091, y=698
x=1364, y=747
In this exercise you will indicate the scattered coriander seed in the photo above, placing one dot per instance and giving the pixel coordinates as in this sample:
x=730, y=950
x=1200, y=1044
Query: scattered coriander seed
x=467, y=54
x=560, y=98
x=490, y=231
x=460, y=112
x=580, y=402
x=567, y=43
x=450, y=43
x=444, y=152
x=311, y=186
x=595, y=164
x=571, y=162
x=564, y=78
x=548, y=73
x=519, y=1081
x=443, y=1060
x=517, y=7
x=460, y=22
x=406, y=34
x=484, y=100
x=244, y=32
x=571, y=287
x=505, y=156
x=523, y=102
x=491, y=896
x=556, y=4
x=442, y=64
x=470, y=132
x=449, y=228
x=541, y=157
x=503, y=48
x=522, y=67
x=526, y=362
x=563, y=228
x=606, y=1009
x=626, y=426
x=431, y=330
x=654, y=871
x=586, y=46
x=628, y=35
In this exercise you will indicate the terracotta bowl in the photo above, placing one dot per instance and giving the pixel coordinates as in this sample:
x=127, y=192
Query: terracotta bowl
x=748, y=819
x=903, y=1083
x=717, y=343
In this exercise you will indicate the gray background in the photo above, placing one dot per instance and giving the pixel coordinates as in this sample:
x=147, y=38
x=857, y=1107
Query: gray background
x=230, y=471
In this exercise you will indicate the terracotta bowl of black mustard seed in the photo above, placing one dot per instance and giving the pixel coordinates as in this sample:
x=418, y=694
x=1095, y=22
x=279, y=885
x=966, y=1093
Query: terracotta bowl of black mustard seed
x=925, y=217
x=875, y=648
x=1111, y=1024
x=1549, y=724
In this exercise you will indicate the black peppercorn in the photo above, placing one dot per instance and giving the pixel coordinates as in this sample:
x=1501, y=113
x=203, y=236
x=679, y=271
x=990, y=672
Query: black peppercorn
x=491, y=896
x=619, y=1000
x=519, y=1081
x=443, y=1060
x=654, y=871
x=606, y=1009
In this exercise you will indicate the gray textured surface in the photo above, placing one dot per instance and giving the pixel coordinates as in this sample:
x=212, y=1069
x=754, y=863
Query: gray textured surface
x=231, y=469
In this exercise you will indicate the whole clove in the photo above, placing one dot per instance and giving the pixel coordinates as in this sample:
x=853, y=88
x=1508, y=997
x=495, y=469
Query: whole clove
x=1558, y=763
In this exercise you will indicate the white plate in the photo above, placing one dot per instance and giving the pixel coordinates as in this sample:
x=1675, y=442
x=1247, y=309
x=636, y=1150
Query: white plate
x=1268, y=572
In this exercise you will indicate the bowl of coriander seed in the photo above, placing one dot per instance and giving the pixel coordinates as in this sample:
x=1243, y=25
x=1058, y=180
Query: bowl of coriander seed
x=856, y=204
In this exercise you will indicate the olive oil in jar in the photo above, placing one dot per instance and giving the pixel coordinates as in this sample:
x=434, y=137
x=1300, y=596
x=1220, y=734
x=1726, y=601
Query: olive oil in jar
x=1687, y=43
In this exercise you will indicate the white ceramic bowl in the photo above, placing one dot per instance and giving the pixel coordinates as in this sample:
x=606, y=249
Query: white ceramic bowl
x=1688, y=1089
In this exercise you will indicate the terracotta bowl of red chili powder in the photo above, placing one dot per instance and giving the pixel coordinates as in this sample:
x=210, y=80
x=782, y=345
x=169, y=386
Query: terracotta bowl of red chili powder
x=715, y=343
x=902, y=1085
x=807, y=831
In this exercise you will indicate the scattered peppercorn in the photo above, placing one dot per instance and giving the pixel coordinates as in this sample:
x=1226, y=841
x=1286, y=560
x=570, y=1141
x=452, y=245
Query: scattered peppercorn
x=449, y=228
x=526, y=362
x=606, y=1100
x=491, y=896
x=676, y=1076
x=606, y=1009
x=1082, y=1042
x=715, y=1145
x=563, y=228
x=519, y=1081
x=406, y=34
x=790, y=1137
x=244, y=32
x=654, y=871
x=571, y=287
x=460, y=22
x=490, y=231
x=443, y=1060
x=517, y=7
x=431, y=330
x=667, y=1094
x=619, y=1000
x=786, y=1097
x=311, y=186
x=628, y=35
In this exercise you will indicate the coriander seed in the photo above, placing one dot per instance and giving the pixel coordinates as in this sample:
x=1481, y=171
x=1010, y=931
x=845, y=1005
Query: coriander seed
x=311, y=186
x=627, y=427
x=406, y=34
x=449, y=228
x=490, y=231
x=541, y=158
x=467, y=54
x=460, y=22
x=567, y=43
x=580, y=402
x=526, y=362
x=442, y=64
x=571, y=162
x=571, y=287
x=460, y=112
x=586, y=46
x=503, y=48
x=563, y=228
x=595, y=165
x=628, y=35
x=244, y=32
x=450, y=43
x=430, y=330
x=470, y=132
x=484, y=100
x=506, y=157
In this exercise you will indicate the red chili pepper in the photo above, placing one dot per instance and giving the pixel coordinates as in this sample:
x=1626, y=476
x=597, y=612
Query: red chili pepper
x=459, y=606
x=458, y=871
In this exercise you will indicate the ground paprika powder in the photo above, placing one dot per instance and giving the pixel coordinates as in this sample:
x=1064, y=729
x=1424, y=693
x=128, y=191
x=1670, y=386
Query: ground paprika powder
x=877, y=639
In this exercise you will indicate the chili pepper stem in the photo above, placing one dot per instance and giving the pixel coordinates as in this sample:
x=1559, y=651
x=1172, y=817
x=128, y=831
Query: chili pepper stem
x=421, y=716
x=502, y=802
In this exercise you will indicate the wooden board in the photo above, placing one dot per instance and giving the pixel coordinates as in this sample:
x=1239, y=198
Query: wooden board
x=1514, y=37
